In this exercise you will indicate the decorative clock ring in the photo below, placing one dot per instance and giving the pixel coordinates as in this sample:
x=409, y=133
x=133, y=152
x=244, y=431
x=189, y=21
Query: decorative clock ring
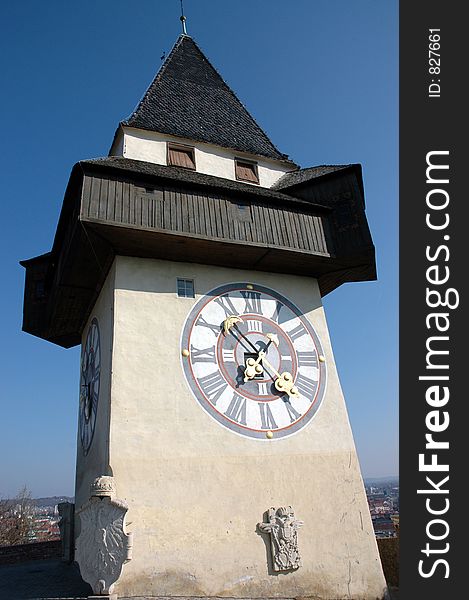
x=253, y=361
x=89, y=385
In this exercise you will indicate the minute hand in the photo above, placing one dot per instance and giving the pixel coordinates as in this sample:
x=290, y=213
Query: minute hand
x=284, y=381
x=271, y=367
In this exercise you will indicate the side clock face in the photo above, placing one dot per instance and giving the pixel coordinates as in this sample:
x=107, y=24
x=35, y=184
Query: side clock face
x=253, y=361
x=89, y=385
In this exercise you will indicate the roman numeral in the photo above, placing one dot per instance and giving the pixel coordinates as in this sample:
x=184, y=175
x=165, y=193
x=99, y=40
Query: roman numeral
x=267, y=419
x=228, y=355
x=292, y=413
x=253, y=302
x=85, y=434
x=203, y=323
x=306, y=386
x=92, y=420
x=307, y=359
x=236, y=411
x=213, y=386
x=263, y=388
x=254, y=325
x=278, y=307
x=227, y=305
x=297, y=332
x=202, y=355
x=95, y=346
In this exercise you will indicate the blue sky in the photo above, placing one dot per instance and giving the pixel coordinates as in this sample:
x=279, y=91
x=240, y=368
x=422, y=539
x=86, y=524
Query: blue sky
x=319, y=76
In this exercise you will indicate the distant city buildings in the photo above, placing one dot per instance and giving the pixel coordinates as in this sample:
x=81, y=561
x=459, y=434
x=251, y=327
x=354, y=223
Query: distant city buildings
x=383, y=501
x=45, y=525
x=25, y=520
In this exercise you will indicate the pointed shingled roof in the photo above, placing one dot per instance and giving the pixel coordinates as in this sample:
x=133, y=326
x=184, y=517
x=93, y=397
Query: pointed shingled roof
x=189, y=99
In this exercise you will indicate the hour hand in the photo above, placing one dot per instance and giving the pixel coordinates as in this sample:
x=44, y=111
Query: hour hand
x=230, y=322
x=253, y=367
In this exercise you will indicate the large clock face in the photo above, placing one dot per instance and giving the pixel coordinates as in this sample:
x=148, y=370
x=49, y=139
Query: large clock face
x=253, y=361
x=89, y=385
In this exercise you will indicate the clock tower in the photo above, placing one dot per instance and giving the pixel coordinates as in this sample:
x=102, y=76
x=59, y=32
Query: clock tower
x=214, y=452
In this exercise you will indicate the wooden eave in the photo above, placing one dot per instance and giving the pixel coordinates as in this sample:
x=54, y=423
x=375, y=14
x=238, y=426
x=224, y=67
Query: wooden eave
x=119, y=207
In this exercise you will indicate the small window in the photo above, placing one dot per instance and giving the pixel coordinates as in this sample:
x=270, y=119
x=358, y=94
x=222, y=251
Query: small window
x=241, y=212
x=185, y=288
x=181, y=156
x=246, y=171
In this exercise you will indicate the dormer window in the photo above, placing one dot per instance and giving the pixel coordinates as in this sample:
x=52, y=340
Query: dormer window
x=181, y=156
x=246, y=171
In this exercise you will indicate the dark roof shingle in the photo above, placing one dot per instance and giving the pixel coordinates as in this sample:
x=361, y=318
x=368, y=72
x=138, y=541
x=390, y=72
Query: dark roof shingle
x=189, y=99
x=302, y=175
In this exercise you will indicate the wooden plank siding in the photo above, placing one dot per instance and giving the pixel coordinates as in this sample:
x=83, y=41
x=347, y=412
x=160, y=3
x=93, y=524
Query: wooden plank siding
x=340, y=191
x=210, y=216
x=316, y=228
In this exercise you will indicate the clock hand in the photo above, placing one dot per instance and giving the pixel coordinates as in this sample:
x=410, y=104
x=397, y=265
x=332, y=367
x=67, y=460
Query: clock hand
x=271, y=367
x=256, y=350
x=230, y=323
x=273, y=339
x=283, y=383
x=253, y=366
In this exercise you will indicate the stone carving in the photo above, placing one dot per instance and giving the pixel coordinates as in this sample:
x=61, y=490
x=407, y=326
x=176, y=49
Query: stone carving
x=103, y=546
x=103, y=486
x=283, y=529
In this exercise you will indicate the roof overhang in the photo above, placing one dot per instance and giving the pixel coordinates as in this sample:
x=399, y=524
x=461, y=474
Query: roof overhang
x=117, y=206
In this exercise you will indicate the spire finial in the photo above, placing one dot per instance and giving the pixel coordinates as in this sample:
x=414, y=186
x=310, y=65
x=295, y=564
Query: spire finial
x=183, y=20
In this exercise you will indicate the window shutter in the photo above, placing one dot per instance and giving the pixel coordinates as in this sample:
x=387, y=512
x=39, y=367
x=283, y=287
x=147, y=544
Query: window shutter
x=246, y=171
x=179, y=156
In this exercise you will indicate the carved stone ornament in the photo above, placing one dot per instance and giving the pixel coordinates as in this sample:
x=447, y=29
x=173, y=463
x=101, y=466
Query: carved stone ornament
x=103, y=546
x=103, y=486
x=283, y=529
